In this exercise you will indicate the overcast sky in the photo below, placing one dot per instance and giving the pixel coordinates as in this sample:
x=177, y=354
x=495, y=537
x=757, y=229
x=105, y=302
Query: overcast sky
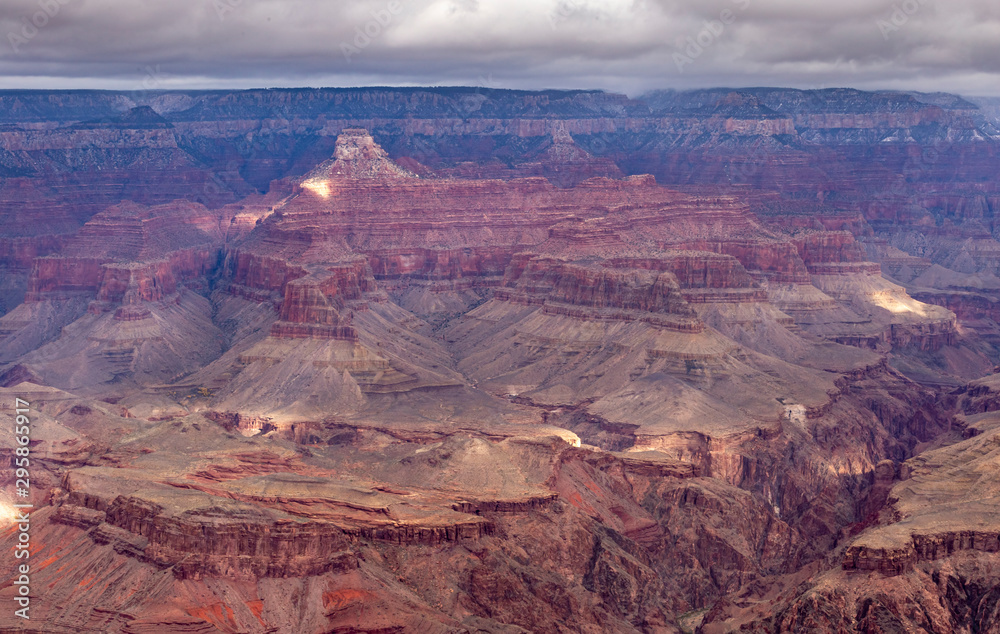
x=623, y=45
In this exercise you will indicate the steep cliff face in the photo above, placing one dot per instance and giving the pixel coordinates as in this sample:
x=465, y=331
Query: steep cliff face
x=16, y=258
x=313, y=306
x=928, y=541
x=138, y=271
x=475, y=264
x=855, y=149
x=56, y=275
x=596, y=286
x=260, y=272
x=818, y=249
x=154, y=247
x=560, y=160
x=779, y=262
x=60, y=177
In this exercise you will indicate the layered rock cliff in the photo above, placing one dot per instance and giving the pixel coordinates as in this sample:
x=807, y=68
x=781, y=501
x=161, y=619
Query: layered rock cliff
x=453, y=360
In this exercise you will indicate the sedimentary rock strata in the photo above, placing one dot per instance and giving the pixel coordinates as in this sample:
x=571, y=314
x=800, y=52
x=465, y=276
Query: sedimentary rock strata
x=364, y=375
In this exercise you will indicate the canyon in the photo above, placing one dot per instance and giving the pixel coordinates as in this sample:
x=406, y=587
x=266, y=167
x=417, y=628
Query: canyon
x=469, y=360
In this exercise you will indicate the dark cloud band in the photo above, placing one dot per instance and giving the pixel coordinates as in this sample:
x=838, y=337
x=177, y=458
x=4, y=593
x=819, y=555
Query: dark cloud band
x=624, y=45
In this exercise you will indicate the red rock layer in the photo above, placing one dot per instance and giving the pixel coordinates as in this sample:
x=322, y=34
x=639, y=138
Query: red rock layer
x=827, y=247
x=149, y=250
x=54, y=276
x=778, y=261
x=260, y=272
x=967, y=306
x=591, y=290
x=359, y=204
x=19, y=253
x=440, y=264
x=928, y=547
x=695, y=270
x=250, y=547
x=312, y=306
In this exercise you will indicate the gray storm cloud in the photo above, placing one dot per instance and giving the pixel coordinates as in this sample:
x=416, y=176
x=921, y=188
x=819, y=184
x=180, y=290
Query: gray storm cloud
x=622, y=45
